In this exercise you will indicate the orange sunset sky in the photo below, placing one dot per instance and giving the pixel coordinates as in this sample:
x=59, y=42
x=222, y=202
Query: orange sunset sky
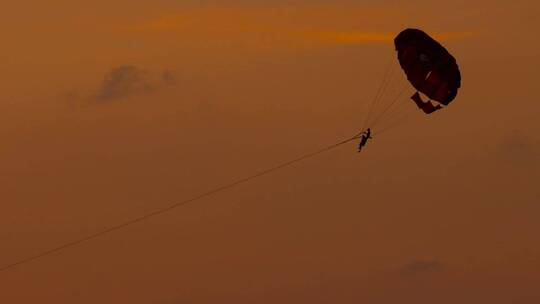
x=113, y=109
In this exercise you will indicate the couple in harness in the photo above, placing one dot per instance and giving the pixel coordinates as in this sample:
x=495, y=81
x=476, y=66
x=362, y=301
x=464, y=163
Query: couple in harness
x=426, y=106
x=364, y=137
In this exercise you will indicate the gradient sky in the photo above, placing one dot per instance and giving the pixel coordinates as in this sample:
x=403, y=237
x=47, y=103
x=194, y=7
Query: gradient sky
x=111, y=109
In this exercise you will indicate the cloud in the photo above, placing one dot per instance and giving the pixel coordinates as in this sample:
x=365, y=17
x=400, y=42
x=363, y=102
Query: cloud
x=168, y=77
x=519, y=148
x=416, y=267
x=359, y=37
x=124, y=81
x=351, y=37
x=320, y=25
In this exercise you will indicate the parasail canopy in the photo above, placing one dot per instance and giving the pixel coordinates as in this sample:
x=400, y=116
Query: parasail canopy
x=430, y=68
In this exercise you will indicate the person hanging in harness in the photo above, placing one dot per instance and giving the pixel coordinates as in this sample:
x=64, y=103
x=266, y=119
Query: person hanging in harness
x=364, y=138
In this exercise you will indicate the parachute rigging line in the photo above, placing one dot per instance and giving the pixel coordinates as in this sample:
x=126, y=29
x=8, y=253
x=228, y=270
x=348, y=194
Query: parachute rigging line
x=402, y=120
x=166, y=209
x=392, y=126
x=386, y=91
x=390, y=105
x=398, y=109
x=395, y=119
x=380, y=92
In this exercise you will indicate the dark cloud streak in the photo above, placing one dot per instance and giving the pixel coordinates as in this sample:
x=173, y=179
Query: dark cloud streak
x=520, y=149
x=168, y=77
x=421, y=266
x=124, y=81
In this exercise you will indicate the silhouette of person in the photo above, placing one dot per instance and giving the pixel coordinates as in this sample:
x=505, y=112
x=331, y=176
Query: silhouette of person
x=364, y=139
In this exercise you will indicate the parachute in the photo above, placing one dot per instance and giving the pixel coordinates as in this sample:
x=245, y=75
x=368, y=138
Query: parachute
x=429, y=67
x=430, y=72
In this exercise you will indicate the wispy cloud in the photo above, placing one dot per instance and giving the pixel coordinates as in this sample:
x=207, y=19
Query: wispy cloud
x=360, y=37
x=123, y=82
x=307, y=27
x=421, y=266
x=519, y=148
